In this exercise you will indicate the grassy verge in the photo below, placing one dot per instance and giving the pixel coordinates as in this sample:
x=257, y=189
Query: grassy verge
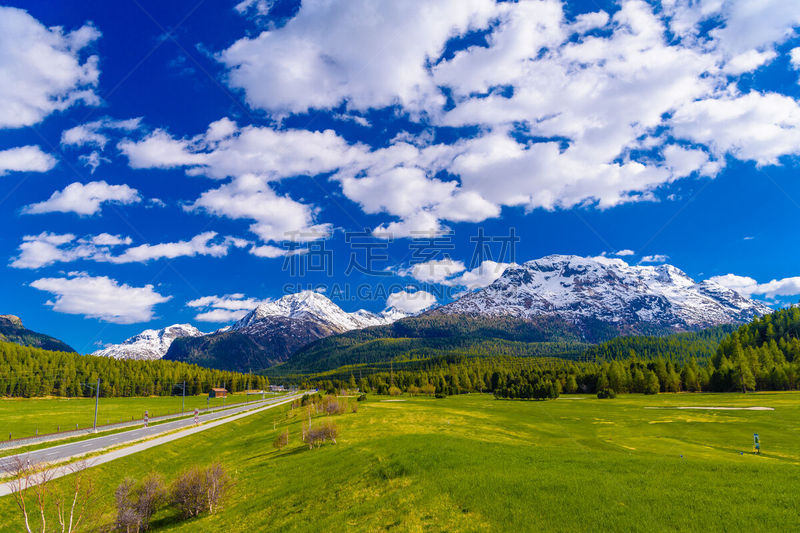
x=476, y=463
x=22, y=417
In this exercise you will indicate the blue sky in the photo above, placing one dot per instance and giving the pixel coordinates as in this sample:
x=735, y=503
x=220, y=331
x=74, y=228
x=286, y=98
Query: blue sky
x=157, y=158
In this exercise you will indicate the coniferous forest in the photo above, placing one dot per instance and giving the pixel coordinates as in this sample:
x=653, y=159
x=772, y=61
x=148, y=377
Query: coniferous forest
x=32, y=372
x=762, y=355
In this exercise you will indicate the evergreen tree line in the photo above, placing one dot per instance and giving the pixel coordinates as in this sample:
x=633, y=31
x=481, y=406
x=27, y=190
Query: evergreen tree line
x=762, y=355
x=32, y=372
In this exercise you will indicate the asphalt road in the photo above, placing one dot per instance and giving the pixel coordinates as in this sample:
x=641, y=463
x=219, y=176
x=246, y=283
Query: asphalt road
x=65, y=451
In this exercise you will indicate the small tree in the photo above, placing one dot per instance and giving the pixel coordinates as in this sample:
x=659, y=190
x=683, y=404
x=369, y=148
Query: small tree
x=281, y=440
x=394, y=391
x=652, y=385
x=198, y=490
x=136, y=504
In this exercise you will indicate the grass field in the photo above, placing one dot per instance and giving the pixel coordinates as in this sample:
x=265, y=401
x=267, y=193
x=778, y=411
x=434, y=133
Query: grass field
x=473, y=463
x=21, y=417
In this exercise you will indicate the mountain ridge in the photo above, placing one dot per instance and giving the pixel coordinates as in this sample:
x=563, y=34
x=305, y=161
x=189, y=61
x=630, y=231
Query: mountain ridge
x=12, y=330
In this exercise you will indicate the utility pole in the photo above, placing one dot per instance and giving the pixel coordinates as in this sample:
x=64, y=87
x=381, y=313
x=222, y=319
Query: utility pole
x=96, y=402
x=183, y=396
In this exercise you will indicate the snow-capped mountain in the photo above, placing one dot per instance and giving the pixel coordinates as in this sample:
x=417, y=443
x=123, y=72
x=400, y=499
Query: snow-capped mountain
x=310, y=305
x=271, y=332
x=580, y=289
x=149, y=344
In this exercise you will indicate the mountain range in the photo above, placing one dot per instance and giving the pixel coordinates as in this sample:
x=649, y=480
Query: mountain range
x=587, y=290
x=271, y=332
x=555, y=299
x=149, y=344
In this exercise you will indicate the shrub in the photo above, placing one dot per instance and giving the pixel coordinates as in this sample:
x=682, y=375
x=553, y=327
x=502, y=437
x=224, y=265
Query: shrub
x=441, y=395
x=362, y=397
x=394, y=391
x=200, y=490
x=316, y=436
x=606, y=393
x=353, y=407
x=136, y=505
x=334, y=406
x=428, y=389
x=281, y=440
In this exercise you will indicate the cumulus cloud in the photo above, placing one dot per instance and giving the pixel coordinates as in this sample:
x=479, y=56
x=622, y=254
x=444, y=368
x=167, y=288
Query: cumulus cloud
x=794, y=57
x=748, y=286
x=47, y=66
x=85, y=199
x=600, y=109
x=435, y=270
x=364, y=53
x=655, y=258
x=276, y=218
x=41, y=250
x=225, y=150
x=410, y=302
x=95, y=133
x=205, y=243
x=481, y=276
x=227, y=308
x=25, y=159
x=101, y=297
x=753, y=126
x=624, y=253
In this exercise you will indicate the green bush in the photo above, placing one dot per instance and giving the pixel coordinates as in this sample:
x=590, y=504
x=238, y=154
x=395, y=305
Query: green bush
x=607, y=394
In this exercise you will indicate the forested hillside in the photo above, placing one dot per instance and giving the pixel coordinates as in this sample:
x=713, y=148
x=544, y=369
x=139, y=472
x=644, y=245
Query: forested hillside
x=433, y=335
x=762, y=354
x=12, y=330
x=28, y=372
x=678, y=346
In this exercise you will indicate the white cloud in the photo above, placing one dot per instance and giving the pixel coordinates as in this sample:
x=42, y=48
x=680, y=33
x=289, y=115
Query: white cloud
x=160, y=150
x=227, y=308
x=362, y=52
x=205, y=243
x=85, y=199
x=277, y=218
x=410, y=302
x=563, y=115
x=481, y=276
x=748, y=286
x=624, y=253
x=42, y=68
x=754, y=126
x=47, y=248
x=656, y=258
x=225, y=150
x=25, y=159
x=434, y=271
x=94, y=133
x=794, y=57
x=270, y=252
x=101, y=297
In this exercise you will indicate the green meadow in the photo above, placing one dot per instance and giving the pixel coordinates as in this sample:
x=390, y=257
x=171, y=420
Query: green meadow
x=474, y=463
x=22, y=417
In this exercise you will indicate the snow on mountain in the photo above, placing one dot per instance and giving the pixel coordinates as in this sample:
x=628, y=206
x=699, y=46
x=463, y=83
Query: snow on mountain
x=149, y=344
x=610, y=290
x=315, y=307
